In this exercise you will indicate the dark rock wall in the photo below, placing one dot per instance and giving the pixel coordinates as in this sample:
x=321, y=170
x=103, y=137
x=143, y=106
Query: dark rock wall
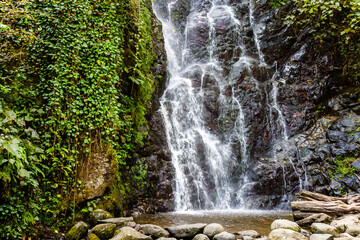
x=311, y=74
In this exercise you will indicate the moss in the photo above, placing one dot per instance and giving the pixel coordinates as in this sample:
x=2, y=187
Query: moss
x=92, y=236
x=104, y=231
x=77, y=231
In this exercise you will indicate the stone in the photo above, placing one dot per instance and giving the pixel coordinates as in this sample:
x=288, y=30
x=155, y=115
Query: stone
x=120, y=222
x=315, y=218
x=321, y=237
x=201, y=237
x=104, y=231
x=92, y=236
x=353, y=230
x=128, y=233
x=154, y=231
x=356, y=164
x=281, y=234
x=305, y=233
x=247, y=238
x=285, y=224
x=343, y=222
x=345, y=235
x=99, y=214
x=77, y=231
x=131, y=224
x=224, y=236
x=187, y=230
x=212, y=229
x=250, y=233
x=163, y=238
x=322, y=228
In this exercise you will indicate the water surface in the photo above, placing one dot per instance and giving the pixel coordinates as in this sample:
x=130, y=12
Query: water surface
x=232, y=220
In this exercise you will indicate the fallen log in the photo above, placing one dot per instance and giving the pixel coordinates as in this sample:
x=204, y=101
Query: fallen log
x=311, y=196
x=333, y=208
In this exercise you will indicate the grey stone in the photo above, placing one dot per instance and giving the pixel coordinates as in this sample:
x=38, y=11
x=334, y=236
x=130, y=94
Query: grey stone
x=281, y=234
x=322, y=228
x=77, y=231
x=128, y=233
x=201, y=237
x=120, y=222
x=250, y=233
x=321, y=237
x=163, y=238
x=356, y=164
x=285, y=224
x=187, y=230
x=224, y=236
x=353, y=230
x=212, y=229
x=315, y=218
x=343, y=222
x=131, y=224
x=104, y=231
x=99, y=214
x=154, y=231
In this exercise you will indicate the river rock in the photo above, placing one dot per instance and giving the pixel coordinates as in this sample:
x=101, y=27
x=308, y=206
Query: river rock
x=187, y=230
x=322, y=228
x=92, y=236
x=120, y=222
x=315, y=218
x=250, y=233
x=281, y=234
x=224, y=236
x=104, y=231
x=163, y=238
x=201, y=237
x=154, y=230
x=128, y=233
x=343, y=222
x=99, y=214
x=285, y=224
x=212, y=229
x=77, y=231
x=321, y=237
x=353, y=230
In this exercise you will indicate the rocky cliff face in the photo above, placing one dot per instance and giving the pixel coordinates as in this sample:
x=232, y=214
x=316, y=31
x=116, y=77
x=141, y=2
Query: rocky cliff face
x=292, y=144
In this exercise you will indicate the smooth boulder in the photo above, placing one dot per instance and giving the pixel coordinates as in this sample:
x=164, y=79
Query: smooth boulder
x=128, y=233
x=120, y=222
x=281, y=234
x=322, y=228
x=154, y=231
x=285, y=224
x=187, y=230
x=353, y=230
x=224, y=236
x=99, y=214
x=212, y=229
x=249, y=233
x=321, y=237
x=104, y=231
x=201, y=236
x=77, y=231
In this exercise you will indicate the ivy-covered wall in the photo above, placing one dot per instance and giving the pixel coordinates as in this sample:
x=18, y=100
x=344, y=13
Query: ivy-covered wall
x=76, y=80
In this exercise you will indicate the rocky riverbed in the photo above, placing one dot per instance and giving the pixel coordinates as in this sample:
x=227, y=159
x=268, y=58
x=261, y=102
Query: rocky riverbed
x=102, y=226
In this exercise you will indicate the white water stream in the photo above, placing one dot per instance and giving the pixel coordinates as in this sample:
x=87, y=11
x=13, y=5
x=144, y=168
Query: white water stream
x=202, y=106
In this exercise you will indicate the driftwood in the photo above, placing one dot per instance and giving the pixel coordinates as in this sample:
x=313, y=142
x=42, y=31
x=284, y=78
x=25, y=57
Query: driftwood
x=314, y=203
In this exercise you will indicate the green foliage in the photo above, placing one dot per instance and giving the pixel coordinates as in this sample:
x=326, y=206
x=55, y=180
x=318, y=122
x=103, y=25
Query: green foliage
x=343, y=165
x=336, y=20
x=277, y=3
x=74, y=81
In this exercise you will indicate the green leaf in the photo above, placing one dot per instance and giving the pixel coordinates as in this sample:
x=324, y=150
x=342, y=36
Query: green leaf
x=24, y=173
x=14, y=148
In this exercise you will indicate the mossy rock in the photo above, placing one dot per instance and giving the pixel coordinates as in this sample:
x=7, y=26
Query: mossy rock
x=99, y=214
x=77, y=231
x=92, y=236
x=104, y=231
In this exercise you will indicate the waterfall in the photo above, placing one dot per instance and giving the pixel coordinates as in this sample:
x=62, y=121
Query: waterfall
x=213, y=54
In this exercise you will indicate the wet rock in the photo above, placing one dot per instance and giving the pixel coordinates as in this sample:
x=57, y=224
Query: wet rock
x=99, y=214
x=92, y=236
x=353, y=230
x=224, y=236
x=201, y=237
x=128, y=233
x=212, y=229
x=154, y=231
x=321, y=237
x=120, y=222
x=250, y=233
x=104, y=231
x=315, y=218
x=356, y=164
x=285, y=224
x=187, y=230
x=280, y=234
x=322, y=228
x=77, y=231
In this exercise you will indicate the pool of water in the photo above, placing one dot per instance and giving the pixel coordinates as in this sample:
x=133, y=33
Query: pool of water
x=233, y=221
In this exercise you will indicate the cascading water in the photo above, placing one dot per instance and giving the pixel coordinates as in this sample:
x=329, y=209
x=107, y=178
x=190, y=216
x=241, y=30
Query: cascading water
x=214, y=59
